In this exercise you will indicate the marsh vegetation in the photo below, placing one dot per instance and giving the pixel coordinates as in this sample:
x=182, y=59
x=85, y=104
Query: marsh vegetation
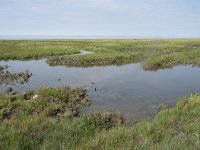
x=45, y=122
x=50, y=118
x=154, y=54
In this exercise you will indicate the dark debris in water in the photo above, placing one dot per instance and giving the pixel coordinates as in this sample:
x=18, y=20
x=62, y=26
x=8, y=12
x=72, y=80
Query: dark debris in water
x=6, y=77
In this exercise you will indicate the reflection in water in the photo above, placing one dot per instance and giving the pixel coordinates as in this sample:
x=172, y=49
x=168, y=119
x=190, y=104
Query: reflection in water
x=127, y=89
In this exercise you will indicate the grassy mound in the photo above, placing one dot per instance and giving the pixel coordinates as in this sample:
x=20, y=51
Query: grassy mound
x=45, y=102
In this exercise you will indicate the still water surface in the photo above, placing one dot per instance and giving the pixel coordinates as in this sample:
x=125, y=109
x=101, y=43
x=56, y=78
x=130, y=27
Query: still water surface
x=127, y=89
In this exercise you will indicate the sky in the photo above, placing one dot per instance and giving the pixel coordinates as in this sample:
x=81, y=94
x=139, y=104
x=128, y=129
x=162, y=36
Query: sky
x=114, y=18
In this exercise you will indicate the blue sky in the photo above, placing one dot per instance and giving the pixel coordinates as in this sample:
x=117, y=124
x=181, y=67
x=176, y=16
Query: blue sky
x=134, y=18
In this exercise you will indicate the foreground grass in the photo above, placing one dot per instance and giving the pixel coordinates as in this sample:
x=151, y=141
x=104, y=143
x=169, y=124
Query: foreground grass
x=154, y=54
x=31, y=126
x=176, y=128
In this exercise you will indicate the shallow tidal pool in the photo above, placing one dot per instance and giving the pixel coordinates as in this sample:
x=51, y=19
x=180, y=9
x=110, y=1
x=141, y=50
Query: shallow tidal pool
x=127, y=89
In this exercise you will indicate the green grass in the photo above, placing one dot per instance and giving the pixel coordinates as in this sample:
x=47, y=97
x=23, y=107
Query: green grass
x=35, y=49
x=28, y=127
x=52, y=121
x=48, y=102
x=176, y=128
x=152, y=53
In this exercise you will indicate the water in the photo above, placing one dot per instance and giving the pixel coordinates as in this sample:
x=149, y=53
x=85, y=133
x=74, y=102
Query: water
x=127, y=89
x=83, y=52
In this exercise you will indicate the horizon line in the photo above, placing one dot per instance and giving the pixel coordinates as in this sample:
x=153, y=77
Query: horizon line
x=63, y=37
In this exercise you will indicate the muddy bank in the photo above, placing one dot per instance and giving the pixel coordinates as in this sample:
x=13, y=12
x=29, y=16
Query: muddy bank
x=107, y=120
x=54, y=103
x=92, y=60
x=48, y=102
x=6, y=77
